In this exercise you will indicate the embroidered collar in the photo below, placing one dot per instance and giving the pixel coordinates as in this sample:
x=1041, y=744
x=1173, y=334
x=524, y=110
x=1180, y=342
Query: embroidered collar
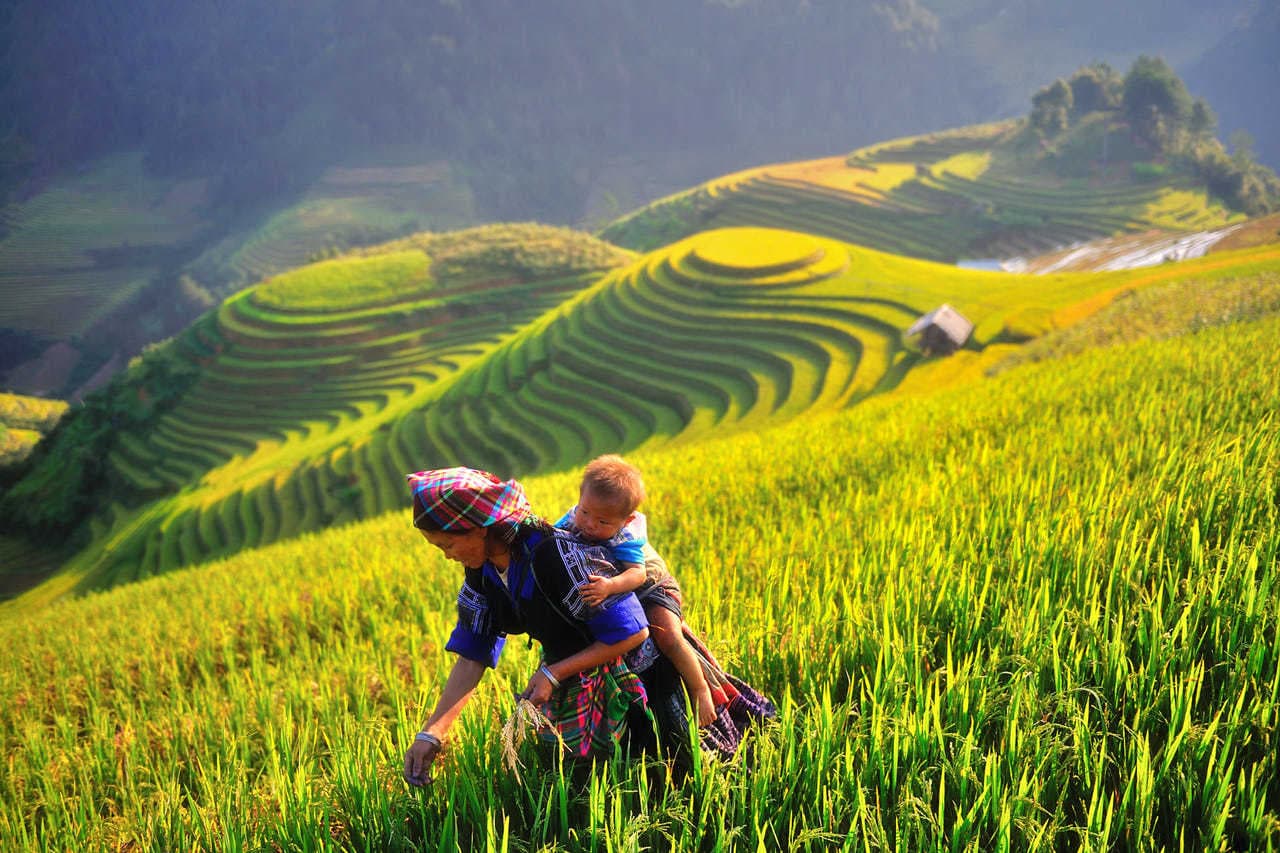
x=517, y=580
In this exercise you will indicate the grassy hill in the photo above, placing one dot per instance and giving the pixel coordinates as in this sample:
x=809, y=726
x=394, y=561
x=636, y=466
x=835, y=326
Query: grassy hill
x=983, y=191
x=1035, y=612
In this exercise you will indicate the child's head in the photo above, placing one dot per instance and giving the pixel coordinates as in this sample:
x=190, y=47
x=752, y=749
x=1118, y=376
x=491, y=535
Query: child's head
x=610, y=493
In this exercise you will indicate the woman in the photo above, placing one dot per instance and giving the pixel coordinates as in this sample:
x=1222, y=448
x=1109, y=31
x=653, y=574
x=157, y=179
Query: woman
x=602, y=681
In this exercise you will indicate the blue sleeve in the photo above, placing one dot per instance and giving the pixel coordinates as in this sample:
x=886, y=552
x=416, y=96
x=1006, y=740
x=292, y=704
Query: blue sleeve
x=628, y=551
x=618, y=619
x=473, y=636
x=472, y=646
x=566, y=520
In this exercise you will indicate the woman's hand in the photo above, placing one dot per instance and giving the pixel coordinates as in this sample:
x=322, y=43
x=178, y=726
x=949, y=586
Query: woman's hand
x=539, y=690
x=418, y=760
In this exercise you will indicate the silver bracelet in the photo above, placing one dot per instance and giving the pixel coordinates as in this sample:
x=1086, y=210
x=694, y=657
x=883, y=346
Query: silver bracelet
x=546, y=672
x=428, y=737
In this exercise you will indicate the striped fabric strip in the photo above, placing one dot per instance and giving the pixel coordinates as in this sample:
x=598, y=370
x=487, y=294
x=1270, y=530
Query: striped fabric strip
x=461, y=499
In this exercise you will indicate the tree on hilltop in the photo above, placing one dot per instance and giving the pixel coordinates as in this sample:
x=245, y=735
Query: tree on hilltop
x=1164, y=119
x=1051, y=108
x=1155, y=101
x=1202, y=122
x=1095, y=88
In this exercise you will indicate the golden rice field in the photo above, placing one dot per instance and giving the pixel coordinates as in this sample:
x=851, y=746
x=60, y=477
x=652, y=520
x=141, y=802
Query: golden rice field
x=965, y=193
x=1037, y=612
x=23, y=421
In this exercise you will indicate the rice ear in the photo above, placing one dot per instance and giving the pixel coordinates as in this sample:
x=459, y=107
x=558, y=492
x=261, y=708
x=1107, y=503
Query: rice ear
x=526, y=718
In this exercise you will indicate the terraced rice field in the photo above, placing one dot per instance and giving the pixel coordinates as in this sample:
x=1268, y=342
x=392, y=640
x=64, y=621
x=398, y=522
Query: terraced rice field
x=349, y=205
x=940, y=197
x=303, y=419
x=281, y=389
x=88, y=242
x=297, y=384
x=703, y=335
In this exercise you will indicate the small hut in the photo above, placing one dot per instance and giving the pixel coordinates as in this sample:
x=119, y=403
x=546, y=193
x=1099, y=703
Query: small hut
x=942, y=331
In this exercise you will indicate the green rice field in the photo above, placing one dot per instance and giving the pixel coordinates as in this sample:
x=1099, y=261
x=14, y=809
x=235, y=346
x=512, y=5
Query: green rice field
x=1031, y=612
x=308, y=416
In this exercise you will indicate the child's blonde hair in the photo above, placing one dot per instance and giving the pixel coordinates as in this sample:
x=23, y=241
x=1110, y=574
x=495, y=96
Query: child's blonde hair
x=612, y=478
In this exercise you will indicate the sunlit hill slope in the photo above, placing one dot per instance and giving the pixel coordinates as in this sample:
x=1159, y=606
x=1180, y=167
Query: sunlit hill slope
x=983, y=191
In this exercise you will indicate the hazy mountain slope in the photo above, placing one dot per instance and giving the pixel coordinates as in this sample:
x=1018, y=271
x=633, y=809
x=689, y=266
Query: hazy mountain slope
x=1022, y=42
x=104, y=261
x=1241, y=78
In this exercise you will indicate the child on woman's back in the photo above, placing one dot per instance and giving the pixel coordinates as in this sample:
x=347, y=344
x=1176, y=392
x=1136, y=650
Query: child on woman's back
x=606, y=515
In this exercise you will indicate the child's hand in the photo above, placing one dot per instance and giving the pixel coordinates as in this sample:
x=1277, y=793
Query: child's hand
x=595, y=589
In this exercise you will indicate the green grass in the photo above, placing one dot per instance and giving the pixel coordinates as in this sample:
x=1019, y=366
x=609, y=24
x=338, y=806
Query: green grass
x=1033, y=613
x=347, y=283
x=1168, y=310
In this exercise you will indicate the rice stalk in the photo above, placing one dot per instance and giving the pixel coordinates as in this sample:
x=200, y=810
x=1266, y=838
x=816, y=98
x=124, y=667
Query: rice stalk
x=527, y=718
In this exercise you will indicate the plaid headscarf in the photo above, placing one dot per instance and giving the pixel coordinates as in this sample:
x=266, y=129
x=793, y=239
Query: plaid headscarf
x=459, y=499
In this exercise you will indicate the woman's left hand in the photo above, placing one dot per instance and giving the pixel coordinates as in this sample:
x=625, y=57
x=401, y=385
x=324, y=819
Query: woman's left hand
x=539, y=690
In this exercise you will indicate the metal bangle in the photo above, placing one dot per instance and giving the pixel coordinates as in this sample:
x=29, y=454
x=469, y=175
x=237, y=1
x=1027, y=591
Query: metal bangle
x=428, y=737
x=546, y=672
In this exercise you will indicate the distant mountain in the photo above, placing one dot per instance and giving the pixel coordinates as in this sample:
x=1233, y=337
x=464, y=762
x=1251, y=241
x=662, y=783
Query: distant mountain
x=1240, y=76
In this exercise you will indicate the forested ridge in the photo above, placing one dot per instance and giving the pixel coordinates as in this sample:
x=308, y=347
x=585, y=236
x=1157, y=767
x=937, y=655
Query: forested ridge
x=266, y=94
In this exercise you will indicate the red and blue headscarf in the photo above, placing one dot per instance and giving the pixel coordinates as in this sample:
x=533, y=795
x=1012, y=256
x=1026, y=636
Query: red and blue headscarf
x=456, y=500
